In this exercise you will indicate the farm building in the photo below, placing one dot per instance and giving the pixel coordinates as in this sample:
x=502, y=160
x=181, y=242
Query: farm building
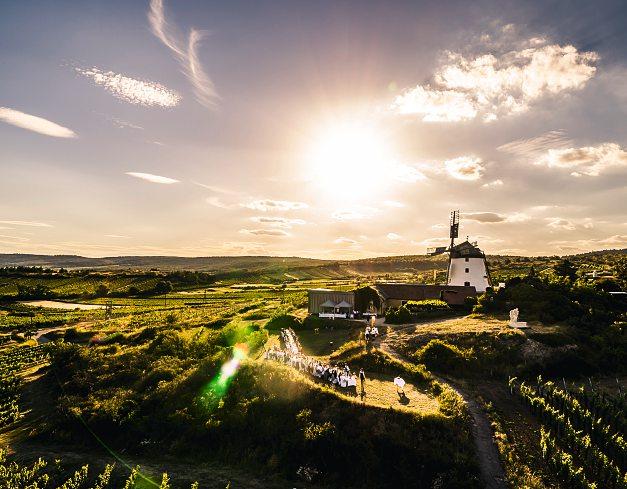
x=379, y=297
x=328, y=303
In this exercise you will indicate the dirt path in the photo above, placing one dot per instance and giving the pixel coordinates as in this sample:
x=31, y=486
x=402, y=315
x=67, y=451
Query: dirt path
x=487, y=453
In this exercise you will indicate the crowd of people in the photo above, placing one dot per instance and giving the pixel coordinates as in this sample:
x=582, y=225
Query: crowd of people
x=339, y=376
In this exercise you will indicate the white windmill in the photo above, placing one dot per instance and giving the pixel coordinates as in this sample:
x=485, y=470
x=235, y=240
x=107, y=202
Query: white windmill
x=467, y=264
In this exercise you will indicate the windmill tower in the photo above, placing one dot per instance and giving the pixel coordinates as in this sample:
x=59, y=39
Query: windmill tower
x=467, y=264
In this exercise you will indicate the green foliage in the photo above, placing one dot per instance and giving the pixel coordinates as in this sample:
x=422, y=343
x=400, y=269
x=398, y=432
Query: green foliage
x=553, y=301
x=443, y=357
x=428, y=305
x=283, y=321
x=588, y=426
x=398, y=315
x=566, y=269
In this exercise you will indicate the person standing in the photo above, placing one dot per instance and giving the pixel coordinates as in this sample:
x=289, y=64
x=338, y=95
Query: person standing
x=362, y=379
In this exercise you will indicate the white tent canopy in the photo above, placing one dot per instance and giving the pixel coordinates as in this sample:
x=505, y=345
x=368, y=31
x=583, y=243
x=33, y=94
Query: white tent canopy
x=343, y=304
x=328, y=303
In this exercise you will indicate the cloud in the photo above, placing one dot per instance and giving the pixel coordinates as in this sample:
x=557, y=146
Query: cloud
x=394, y=236
x=217, y=202
x=494, y=218
x=432, y=242
x=27, y=223
x=484, y=217
x=589, y=160
x=204, y=89
x=616, y=241
x=269, y=205
x=122, y=124
x=218, y=190
x=538, y=144
x=493, y=184
x=436, y=105
x=560, y=224
x=34, y=123
x=132, y=90
x=116, y=236
x=149, y=177
x=282, y=222
x=265, y=232
x=343, y=240
x=15, y=238
x=406, y=173
x=353, y=214
x=485, y=85
x=465, y=168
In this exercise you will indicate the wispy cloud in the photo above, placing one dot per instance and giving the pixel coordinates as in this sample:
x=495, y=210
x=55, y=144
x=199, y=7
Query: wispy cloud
x=560, y=224
x=493, y=217
x=589, y=160
x=282, y=222
x=265, y=232
x=33, y=224
x=15, y=238
x=218, y=190
x=149, y=177
x=465, y=168
x=132, y=90
x=394, y=237
x=34, y=123
x=204, y=89
x=490, y=86
x=219, y=203
x=493, y=184
x=538, y=144
x=116, y=236
x=355, y=213
x=345, y=241
x=268, y=205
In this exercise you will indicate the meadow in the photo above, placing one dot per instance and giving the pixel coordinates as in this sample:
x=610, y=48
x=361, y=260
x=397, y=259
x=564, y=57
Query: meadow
x=174, y=381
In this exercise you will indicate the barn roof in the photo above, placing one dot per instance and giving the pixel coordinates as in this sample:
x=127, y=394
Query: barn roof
x=419, y=292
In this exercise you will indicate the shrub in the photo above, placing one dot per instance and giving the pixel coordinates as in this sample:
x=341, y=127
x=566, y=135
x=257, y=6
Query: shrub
x=283, y=321
x=398, y=315
x=427, y=306
x=442, y=356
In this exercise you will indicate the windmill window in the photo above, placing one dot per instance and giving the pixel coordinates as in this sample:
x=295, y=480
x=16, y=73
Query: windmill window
x=467, y=259
x=467, y=270
x=467, y=284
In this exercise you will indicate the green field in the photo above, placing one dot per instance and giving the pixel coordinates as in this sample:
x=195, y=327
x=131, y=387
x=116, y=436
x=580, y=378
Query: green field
x=145, y=383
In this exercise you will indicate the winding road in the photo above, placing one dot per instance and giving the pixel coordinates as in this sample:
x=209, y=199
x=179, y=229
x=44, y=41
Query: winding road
x=487, y=453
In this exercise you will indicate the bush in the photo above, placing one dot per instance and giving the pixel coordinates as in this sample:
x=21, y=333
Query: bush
x=284, y=321
x=398, y=315
x=444, y=357
x=427, y=306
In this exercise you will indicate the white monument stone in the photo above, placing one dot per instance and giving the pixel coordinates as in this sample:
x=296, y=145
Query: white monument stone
x=513, y=320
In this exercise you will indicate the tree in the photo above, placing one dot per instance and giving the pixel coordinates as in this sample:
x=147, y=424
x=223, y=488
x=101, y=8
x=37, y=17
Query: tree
x=102, y=290
x=163, y=287
x=566, y=269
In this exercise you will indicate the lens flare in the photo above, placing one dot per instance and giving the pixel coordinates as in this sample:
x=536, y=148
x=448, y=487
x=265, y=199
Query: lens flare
x=216, y=389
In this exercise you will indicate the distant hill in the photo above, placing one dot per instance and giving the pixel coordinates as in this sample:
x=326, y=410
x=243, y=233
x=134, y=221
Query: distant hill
x=296, y=265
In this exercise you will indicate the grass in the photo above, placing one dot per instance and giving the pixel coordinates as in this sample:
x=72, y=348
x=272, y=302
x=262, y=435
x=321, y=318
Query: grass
x=381, y=391
x=319, y=344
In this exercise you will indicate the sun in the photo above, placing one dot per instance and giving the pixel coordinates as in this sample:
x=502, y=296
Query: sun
x=349, y=160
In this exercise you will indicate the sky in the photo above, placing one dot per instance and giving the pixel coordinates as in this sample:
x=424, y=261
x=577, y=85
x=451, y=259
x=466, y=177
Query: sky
x=315, y=129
